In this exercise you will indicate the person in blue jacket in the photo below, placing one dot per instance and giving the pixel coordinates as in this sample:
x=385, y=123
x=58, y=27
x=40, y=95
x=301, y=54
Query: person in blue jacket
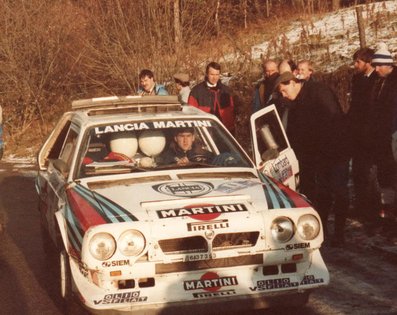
x=148, y=85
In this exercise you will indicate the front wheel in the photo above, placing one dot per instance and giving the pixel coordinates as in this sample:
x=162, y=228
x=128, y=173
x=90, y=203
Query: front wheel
x=65, y=276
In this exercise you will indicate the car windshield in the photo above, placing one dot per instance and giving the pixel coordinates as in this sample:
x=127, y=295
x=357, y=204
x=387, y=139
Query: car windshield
x=142, y=146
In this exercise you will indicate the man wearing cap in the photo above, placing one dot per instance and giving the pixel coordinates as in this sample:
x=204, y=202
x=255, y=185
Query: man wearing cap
x=360, y=118
x=148, y=85
x=316, y=128
x=385, y=125
x=212, y=96
x=182, y=85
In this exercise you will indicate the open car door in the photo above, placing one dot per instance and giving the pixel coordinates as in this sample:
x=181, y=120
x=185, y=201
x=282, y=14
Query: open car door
x=272, y=152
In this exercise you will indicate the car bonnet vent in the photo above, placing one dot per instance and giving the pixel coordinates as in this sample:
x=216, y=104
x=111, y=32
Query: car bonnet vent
x=128, y=104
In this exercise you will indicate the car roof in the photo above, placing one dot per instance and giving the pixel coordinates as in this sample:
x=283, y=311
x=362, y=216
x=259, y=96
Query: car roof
x=115, y=108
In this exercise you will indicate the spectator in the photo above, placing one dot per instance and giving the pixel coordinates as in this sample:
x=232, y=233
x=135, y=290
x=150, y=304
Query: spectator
x=288, y=65
x=305, y=70
x=361, y=146
x=1, y=133
x=384, y=120
x=185, y=149
x=148, y=85
x=182, y=85
x=264, y=90
x=316, y=130
x=214, y=97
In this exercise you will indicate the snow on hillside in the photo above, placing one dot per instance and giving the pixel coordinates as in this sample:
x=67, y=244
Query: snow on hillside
x=334, y=36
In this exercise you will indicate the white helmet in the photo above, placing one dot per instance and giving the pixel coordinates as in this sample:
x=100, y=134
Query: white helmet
x=124, y=143
x=152, y=142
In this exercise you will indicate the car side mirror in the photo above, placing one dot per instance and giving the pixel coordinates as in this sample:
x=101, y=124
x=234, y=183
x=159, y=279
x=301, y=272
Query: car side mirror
x=61, y=166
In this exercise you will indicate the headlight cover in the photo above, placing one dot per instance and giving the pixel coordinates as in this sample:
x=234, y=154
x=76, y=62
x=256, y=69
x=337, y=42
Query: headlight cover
x=131, y=243
x=282, y=229
x=102, y=246
x=308, y=227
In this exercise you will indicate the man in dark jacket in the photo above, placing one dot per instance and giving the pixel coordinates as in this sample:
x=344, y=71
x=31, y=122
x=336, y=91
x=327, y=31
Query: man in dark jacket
x=213, y=97
x=360, y=117
x=316, y=128
x=264, y=90
x=384, y=120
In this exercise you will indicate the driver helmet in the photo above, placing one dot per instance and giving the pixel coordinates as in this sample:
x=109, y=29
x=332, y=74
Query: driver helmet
x=152, y=142
x=124, y=143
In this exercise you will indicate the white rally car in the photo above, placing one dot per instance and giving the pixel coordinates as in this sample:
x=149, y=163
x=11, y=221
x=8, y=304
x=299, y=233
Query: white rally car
x=146, y=224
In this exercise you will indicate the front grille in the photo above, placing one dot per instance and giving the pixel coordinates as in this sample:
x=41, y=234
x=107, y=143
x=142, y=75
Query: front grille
x=185, y=245
x=198, y=244
x=208, y=264
x=235, y=240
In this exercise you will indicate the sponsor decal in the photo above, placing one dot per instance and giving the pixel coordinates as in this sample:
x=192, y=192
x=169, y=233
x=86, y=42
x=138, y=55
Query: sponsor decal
x=199, y=295
x=204, y=256
x=235, y=186
x=134, y=126
x=284, y=283
x=210, y=209
x=271, y=284
x=210, y=282
x=297, y=246
x=114, y=263
x=184, y=189
x=118, y=298
x=282, y=169
x=207, y=225
x=311, y=279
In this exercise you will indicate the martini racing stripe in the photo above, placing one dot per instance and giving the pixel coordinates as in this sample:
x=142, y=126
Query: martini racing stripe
x=75, y=233
x=113, y=211
x=297, y=199
x=276, y=198
x=87, y=212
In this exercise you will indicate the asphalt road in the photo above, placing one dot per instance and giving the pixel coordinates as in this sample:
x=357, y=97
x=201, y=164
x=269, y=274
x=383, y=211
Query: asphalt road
x=363, y=280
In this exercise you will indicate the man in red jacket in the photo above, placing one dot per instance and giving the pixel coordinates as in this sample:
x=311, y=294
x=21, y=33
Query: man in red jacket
x=213, y=97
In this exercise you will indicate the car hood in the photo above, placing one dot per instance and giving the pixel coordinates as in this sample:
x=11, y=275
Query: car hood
x=176, y=198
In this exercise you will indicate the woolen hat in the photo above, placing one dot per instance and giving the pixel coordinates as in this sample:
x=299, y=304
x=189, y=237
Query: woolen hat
x=183, y=77
x=382, y=56
x=284, y=78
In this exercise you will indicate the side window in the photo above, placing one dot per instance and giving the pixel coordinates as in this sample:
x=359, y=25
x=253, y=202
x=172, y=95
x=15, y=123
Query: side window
x=270, y=136
x=69, y=147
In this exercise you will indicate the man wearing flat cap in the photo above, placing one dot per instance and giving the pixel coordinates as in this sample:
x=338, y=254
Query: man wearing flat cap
x=182, y=85
x=316, y=129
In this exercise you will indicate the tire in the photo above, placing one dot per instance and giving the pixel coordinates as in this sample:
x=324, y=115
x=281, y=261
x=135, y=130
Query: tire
x=65, y=276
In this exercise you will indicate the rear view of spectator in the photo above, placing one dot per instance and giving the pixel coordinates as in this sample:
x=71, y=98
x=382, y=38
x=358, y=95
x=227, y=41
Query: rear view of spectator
x=182, y=85
x=213, y=97
x=288, y=65
x=148, y=85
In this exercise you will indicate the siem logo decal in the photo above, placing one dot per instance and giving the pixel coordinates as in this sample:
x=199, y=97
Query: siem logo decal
x=184, y=189
x=114, y=263
x=297, y=246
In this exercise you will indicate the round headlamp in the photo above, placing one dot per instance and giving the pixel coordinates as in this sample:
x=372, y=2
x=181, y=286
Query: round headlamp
x=308, y=227
x=282, y=229
x=131, y=243
x=102, y=246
